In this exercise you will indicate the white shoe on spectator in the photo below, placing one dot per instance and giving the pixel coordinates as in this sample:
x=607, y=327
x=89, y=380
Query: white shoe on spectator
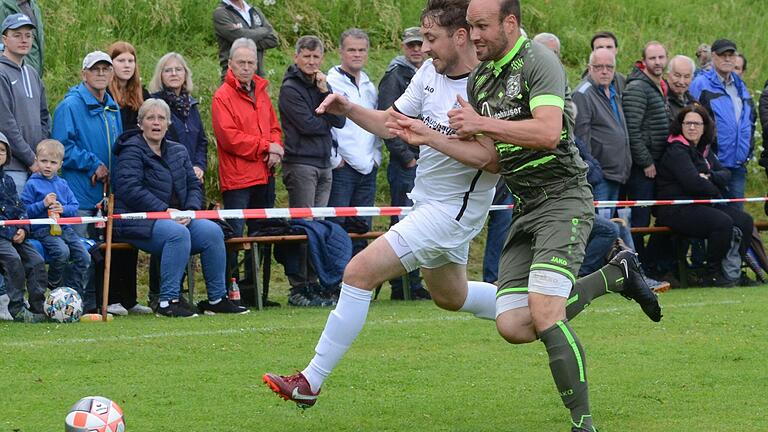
x=140, y=310
x=5, y=315
x=117, y=309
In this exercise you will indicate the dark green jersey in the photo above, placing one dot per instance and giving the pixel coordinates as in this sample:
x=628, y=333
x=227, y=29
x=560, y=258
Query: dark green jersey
x=529, y=76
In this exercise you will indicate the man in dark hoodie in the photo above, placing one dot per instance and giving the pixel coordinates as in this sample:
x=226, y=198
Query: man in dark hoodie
x=20, y=262
x=24, y=116
x=646, y=111
x=308, y=145
x=401, y=172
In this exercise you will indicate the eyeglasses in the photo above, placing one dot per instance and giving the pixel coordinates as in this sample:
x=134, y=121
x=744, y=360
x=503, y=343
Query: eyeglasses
x=693, y=124
x=600, y=67
x=178, y=70
x=101, y=70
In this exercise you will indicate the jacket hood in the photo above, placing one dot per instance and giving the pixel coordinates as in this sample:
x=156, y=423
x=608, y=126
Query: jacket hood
x=400, y=61
x=6, y=61
x=81, y=92
x=293, y=73
x=703, y=148
x=128, y=138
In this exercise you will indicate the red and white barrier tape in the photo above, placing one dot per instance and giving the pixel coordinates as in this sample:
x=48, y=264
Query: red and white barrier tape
x=317, y=212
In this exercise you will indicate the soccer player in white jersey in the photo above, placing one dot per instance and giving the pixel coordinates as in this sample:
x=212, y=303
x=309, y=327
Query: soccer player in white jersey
x=451, y=202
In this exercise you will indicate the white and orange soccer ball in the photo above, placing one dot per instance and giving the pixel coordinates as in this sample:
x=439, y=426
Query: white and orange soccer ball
x=95, y=414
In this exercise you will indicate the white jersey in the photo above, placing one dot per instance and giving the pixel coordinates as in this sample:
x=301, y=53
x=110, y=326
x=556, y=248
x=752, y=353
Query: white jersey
x=466, y=193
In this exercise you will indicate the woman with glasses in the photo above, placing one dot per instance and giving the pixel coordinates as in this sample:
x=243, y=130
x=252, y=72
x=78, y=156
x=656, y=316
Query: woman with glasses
x=172, y=82
x=690, y=169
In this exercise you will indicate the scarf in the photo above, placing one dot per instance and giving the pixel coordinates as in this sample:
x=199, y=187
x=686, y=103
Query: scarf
x=180, y=105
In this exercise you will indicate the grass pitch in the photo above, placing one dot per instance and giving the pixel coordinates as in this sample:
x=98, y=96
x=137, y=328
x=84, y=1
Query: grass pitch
x=413, y=368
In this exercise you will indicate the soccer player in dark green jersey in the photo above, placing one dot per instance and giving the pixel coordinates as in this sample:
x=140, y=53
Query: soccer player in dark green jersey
x=516, y=124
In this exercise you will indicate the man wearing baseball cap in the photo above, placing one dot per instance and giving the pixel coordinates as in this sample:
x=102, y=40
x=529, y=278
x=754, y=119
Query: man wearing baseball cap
x=401, y=172
x=728, y=100
x=87, y=122
x=30, y=9
x=24, y=116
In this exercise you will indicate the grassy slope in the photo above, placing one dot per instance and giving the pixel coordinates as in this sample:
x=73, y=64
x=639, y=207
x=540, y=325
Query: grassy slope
x=414, y=367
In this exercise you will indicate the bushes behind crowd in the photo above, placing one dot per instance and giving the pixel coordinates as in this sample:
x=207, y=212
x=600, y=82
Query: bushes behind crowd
x=155, y=27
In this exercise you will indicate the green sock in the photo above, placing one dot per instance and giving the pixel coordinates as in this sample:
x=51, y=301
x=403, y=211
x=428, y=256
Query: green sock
x=610, y=278
x=567, y=362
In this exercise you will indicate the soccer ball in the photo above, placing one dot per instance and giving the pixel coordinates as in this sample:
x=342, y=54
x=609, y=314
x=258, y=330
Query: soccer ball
x=64, y=305
x=95, y=414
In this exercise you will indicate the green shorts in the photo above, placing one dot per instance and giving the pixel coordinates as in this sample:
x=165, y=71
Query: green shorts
x=552, y=236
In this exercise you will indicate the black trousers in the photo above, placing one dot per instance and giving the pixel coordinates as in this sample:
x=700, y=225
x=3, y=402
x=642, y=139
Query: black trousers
x=713, y=223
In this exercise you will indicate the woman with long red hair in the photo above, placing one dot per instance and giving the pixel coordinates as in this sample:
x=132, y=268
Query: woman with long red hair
x=126, y=88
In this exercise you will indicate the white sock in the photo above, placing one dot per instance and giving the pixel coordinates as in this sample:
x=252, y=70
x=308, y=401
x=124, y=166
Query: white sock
x=343, y=325
x=164, y=303
x=481, y=300
x=213, y=302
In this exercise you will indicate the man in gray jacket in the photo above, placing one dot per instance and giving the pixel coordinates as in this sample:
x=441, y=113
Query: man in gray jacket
x=235, y=19
x=24, y=116
x=601, y=125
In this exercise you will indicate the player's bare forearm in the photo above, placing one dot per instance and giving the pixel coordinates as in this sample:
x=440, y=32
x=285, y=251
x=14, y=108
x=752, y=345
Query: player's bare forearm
x=540, y=133
x=371, y=120
x=477, y=152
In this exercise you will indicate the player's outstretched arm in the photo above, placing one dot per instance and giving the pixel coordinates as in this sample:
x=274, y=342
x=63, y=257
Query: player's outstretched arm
x=477, y=152
x=369, y=119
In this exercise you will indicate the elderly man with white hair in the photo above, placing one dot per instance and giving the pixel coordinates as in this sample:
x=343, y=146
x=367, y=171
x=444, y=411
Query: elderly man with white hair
x=680, y=71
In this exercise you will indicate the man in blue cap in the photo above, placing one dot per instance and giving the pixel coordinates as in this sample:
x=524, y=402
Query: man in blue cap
x=24, y=116
x=30, y=9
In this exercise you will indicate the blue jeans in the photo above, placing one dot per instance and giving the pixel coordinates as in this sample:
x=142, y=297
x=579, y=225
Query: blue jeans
x=737, y=184
x=606, y=190
x=256, y=196
x=352, y=189
x=640, y=187
x=401, y=182
x=62, y=249
x=175, y=243
x=604, y=234
x=499, y=222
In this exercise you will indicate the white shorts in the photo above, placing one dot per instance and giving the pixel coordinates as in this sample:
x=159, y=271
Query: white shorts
x=429, y=237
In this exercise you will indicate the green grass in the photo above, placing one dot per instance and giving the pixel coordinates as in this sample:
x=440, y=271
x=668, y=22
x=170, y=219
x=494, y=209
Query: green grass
x=414, y=367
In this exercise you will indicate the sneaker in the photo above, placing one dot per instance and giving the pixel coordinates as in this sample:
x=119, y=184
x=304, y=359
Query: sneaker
x=117, y=309
x=420, y=294
x=174, y=310
x=5, y=315
x=138, y=310
x=27, y=316
x=293, y=388
x=302, y=297
x=657, y=286
x=618, y=246
x=225, y=306
x=635, y=287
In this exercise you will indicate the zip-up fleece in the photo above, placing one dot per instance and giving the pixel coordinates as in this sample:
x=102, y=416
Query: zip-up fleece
x=88, y=129
x=24, y=116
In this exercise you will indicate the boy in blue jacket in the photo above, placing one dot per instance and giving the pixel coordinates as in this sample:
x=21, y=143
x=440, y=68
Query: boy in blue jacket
x=18, y=258
x=48, y=195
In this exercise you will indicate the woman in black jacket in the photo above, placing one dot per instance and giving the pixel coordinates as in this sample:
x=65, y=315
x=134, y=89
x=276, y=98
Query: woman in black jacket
x=690, y=169
x=153, y=174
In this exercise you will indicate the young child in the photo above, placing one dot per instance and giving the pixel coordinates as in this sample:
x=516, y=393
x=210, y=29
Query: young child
x=17, y=257
x=48, y=195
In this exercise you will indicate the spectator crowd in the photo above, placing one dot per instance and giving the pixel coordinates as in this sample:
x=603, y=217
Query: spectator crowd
x=672, y=128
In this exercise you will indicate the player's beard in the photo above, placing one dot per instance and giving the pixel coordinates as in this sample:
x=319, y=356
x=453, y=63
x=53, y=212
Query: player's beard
x=495, y=50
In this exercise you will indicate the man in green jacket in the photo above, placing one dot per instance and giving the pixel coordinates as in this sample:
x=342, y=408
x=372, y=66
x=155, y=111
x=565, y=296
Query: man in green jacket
x=235, y=19
x=30, y=9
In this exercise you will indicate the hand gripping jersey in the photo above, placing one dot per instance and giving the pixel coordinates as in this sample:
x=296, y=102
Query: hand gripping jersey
x=463, y=191
x=529, y=76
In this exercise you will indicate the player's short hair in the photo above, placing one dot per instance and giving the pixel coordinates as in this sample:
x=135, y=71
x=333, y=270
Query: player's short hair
x=603, y=35
x=50, y=147
x=309, y=43
x=510, y=7
x=354, y=33
x=450, y=14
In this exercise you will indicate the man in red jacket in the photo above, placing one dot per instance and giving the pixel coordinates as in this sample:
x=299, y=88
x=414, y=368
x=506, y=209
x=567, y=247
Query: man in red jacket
x=248, y=136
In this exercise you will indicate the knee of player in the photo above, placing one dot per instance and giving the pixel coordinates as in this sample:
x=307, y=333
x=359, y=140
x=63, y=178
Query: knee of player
x=449, y=301
x=519, y=335
x=356, y=275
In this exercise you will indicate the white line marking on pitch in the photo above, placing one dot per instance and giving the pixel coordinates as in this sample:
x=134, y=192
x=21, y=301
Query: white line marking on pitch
x=270, y=329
